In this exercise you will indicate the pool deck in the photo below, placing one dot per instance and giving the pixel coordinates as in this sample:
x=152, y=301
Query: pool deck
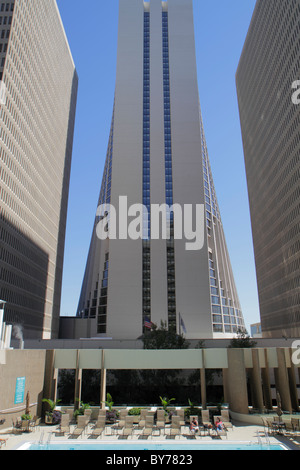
x=239, y=433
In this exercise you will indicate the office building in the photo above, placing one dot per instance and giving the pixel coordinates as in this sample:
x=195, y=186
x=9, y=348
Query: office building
x=157, y=155
x=36, y=135
x=270, y=123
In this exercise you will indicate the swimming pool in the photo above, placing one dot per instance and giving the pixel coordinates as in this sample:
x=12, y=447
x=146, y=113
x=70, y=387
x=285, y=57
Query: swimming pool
x=149, y=446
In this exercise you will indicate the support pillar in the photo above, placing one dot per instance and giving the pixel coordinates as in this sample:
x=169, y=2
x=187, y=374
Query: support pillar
x=103, y=383
x=237, y=381
x=203, y=388
x=55, y=377
x=256, y=387
x=293, y=385
x=265, y=373
x=78, y=384
x=48, y=390
x=225, y=386
x=282, y=381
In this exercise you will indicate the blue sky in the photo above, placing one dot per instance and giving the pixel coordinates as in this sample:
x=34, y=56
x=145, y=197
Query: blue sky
x=220, y=31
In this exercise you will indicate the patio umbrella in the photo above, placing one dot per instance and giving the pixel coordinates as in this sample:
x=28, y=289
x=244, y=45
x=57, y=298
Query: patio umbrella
x=27, y=411
x=279, y=405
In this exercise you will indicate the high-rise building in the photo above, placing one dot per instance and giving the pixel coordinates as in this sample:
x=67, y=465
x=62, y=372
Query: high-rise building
x=270, y=123
x=157, y=155
x=36, y=136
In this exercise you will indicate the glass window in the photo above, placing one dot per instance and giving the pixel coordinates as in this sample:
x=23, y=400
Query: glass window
x=216, y=309
x=217, y=318
x=215, y=300
x=217, y=328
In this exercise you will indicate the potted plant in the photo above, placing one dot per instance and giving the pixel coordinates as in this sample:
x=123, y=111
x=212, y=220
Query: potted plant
x=81, y=409
x=165, y=403
x=49, y=414
x=111, y=414
x=26, y=417
x=192, y=410
x=135, y=412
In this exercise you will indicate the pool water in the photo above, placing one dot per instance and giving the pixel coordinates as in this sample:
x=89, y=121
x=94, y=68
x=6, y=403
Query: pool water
x=150, y=446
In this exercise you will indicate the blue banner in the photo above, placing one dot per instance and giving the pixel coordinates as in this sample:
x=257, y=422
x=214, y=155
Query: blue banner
x=20, y=390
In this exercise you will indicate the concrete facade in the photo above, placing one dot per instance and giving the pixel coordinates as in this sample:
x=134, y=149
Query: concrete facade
x=36, y=138
x=270, y=120
x=157, y=154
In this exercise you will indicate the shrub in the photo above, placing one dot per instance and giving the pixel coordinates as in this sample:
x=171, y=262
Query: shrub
x=26, y=417
x=134, y=412
x=56, y=417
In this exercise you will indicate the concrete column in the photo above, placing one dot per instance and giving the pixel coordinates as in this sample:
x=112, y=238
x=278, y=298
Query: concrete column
x=48, y=391
x=225, y=386
x=293, y=385
x=237, y=381
x=203, y=388
x=55, y=377
x=282, y=381
x=103, y=383
x=257, y=394
x=266, y=389
x=1, y=319
x=78, y=383
x=265, y=374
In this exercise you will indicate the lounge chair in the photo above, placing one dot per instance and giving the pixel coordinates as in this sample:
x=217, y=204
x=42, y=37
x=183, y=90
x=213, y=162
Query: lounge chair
x=16, y=427
x=219, y=432
x=88, y=414
x=296, y=425
x=160, y=419
x=64, y=427
x=142, y=420
x=205, y=419
x=289, y=429
x=81, y=426
x=25, y=426
x=272, y=428
x=99, y=427
x=123, y=413
x=193, y=433
x=128, y=428
x=226, y=419
x=148, y=429
x=119, y=426
x=98, y=414
x=3, y=442
x=70, y=412
x=180, y=413
x=175, y=429
x=35, y=422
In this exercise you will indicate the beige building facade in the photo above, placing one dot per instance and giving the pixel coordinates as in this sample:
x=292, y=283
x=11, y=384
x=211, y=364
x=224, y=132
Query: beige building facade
x=270, y=123
x=36, y=138
x=157, y=155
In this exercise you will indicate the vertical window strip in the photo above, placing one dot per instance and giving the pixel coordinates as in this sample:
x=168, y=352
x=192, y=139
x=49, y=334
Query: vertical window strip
x=146, y=174
x=168, y=172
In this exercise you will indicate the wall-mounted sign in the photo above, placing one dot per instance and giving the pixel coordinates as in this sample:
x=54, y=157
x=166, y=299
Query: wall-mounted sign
x=20, y=390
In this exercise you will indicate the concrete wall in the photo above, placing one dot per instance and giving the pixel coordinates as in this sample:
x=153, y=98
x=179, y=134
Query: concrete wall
x=20, y=363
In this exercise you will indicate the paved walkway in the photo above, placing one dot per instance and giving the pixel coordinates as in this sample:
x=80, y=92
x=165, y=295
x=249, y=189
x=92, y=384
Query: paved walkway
x=245, y=433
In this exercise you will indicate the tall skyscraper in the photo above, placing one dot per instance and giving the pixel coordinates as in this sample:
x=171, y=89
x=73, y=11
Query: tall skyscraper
x=270, y=123
x=36, y=137
x=157, y=155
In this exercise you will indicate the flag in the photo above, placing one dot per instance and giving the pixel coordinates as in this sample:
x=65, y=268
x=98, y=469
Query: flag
x=182, y=325
x=147, y=323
